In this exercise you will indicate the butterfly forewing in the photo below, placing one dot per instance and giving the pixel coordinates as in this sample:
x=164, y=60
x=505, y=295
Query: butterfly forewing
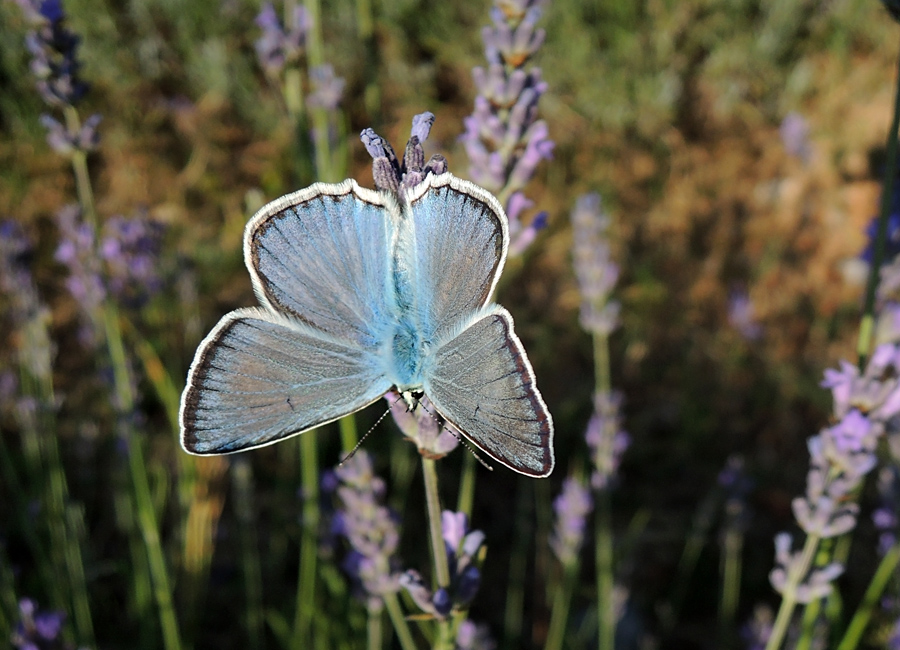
x=259, y=377
x=455, y=238
x=322, y=255
x=481, y=381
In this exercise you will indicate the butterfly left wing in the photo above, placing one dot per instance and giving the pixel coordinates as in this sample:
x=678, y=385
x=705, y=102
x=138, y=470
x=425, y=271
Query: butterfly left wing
x=482, y=383
x=260, y=377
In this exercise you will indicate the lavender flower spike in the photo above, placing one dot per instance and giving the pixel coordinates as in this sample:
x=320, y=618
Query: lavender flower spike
x=38, y=630
x=327, y=88
x=596, y=272
x=465, y=552
x=503, y=138
x=606, y=439
x=571, y=507
x=278, y=47
x=370, y=528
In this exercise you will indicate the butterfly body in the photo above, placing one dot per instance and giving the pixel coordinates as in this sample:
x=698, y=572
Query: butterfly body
x=362, y=292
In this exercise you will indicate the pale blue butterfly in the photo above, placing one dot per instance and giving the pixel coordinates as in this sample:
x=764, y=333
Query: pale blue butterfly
x=362, y=291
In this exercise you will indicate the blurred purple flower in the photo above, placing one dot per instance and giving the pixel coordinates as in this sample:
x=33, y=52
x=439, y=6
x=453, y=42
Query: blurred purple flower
x=389, y=173
x=875, y=393
x=131, y=249
x=503, y=138
x=464, y=556
x=470, y=636
x=817, y=582
x=606, y=439
x=758, y=629
x=571, y=507
x=370, y=528
x=422, y=426
x=65, y=142
x=596, y=272
x=327, y=89
x=278, y=47
x=38, y=630
x=54, y=53
x=794, y=132
x=741, y=315
x=885, y=515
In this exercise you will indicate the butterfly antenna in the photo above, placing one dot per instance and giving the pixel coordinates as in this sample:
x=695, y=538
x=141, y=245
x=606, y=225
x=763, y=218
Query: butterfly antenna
x=456, y=435
x=366, y=435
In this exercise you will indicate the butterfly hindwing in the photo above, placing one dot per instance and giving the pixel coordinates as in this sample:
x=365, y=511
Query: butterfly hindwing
x=482, y=383
x=260, y=377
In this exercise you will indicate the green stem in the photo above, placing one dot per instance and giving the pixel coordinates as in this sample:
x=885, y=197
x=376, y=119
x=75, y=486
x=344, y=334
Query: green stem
x=306, y=587
x=606, y=610
x=560, y=609
x=404, y=634
x=438, y=551
x=867, y=325
x=606, y=613
x=79, y=165
x=789, y=599
x=242, y=480
x=870, y=600
x=349, y=437
x=432, y=497
x=731, y=578
x=146, y=515
x=373, y=629
x=466, y=486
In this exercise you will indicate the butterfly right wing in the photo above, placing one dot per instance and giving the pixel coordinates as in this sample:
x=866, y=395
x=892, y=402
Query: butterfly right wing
x=323, y=256
x=480, y=381
x=260, y=377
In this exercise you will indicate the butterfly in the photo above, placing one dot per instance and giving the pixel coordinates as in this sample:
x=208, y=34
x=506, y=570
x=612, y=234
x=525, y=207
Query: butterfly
x=361, y=292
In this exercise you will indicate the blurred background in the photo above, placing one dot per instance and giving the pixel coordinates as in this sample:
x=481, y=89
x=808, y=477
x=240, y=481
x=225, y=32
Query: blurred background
x=738, y=147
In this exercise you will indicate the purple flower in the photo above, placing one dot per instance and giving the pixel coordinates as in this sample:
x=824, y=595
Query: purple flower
x=794, y=132
x=389, y=173
x=38, y=630
x=327, y=88
x=596, y=272
x=54, y=53
x=470, y=636
x=758, y=629
x=131, y=249
x=606, y=439
x=278, y=47
x=464, y=556
x=571, y=507
x=875, y=393
x=503, y=138
x=422, y=426
x=885, y=516
x=370, y=527
x=741, y=316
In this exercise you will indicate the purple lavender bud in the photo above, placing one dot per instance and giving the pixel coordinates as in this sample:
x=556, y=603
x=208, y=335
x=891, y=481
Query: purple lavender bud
x=327, y=88
x=442, y=602
x=757, y=631
x=794, y=132
x=385, y=166
x=741, y=316
x=454, y=526
x=421, y=125
x=38, y=630
x=571, y=507
x=422, y=426
x=474, y=637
